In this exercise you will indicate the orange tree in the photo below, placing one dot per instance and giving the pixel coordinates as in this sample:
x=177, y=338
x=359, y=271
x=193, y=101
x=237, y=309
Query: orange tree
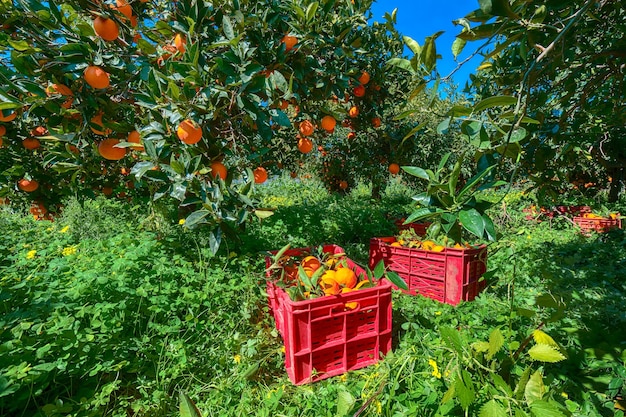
x=145, y=98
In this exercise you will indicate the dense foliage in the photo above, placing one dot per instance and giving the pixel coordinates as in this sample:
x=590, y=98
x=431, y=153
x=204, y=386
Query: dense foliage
x=107, y=314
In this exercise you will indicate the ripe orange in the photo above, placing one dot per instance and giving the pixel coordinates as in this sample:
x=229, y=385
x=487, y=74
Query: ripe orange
x=364, y=78
x=283, y=104
x=7, y=115
x=329, y=284
x=180, y=43
x=346, y=277
x=260, y=175
x=108, y=150
x=37, y=209
x=351, y=135
x=218, y=170
x=359, y=91
x=293, y=174
x=305, y=145
x=328, y=123
x=97, y=126
x=343, y=184
x=376, y=122
x=289, y=41
x=27, y=185
x=59, y=89
x=189, y=132
x=124, y=8
x=3, y=130
x=306, y=128
x=394, y=168
x=39, y=131
x=31, y=143
x=311, y=262
x=96, y=77
x=134, y=137
x=353, y=112
x=107, y=191
x=107, y=29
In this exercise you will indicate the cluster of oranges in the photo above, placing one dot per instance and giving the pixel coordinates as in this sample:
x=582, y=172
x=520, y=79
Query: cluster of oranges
x=612, y=216
x=318, y=276
x=429, y=245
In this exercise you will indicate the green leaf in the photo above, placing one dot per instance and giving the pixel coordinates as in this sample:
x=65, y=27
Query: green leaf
x=196, y=218
x=263, y=214
x=452, y=339
x=543, y=338
x=492, y=408
x=311, y=10
x=413, y=45
x=306, y=281
x=496, y=341
x=379, y=269
x=472, y=221
x=501, y=384
x=520, y=389
x=475, y=180
x=449, y=395
x=534, y=389
x=401, y=63
x=422, y=213
x=454, y=176
x=545, y=353
x=416, y=172
x=227, y=26
x=495, y=101
x=518, y=135
x=490, y=228
x=541, y=408
x=457, y=47
x=442, y=128
x=397, y=280
x=187, y=407
x=464, y=388
x=345, y=402
x=480, y=346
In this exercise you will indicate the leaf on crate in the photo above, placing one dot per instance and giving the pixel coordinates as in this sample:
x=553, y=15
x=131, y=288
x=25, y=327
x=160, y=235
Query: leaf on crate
x=397, y=280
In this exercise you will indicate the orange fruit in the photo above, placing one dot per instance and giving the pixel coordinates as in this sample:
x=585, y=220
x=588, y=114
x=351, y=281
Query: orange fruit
x=351, y=135
x=293, y=174
x=59, y=89
x=37, y=208
x=135, y=137
x=189, y=132
x=364, y=78
x=218, y=170
x=346, y=277
x=96, y=77
x=39, y=131
x=7, y=115
x=108, y=150
x=3, y=130
x=394, y=168
x=438, y=248
x=343, y=184
x=306, y=128
x=107, y=29
x=396, y=244
x=428, y=245
x=107, y=191
x=353, y=112
x=359, y=91
x=27, y=185
x=180, y=43
x=283, y=104
x=260, y=175
x=311, y=262
x=31, y=143
x=289, y=41
x=329, y=284
x=328, y=123
x=100, y=129
x=124, y=8
x=305, y=145
x=376, y=122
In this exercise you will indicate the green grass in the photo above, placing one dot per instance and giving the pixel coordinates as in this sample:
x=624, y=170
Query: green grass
x=113, y=310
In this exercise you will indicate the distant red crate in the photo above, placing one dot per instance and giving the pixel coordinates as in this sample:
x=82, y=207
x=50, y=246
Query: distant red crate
x=323, y=337
x=420, y=228
x=450, y=276
x=597, y=225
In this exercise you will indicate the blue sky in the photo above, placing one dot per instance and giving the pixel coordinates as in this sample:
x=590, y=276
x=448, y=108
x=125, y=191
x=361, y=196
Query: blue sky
x=421, y=18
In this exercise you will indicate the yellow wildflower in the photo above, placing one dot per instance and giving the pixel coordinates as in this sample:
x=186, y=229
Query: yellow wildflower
x=379, y=407
x=70, y=250
x=343, y=377
x=65, y=229
x=282, y=349
x=435, y=372
x=437, y=313
x=31, y=254
x=181, y=221
x=237, y=359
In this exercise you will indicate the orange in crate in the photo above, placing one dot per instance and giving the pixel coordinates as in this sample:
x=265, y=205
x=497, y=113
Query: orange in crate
x=594, y=223
x=331, y=335
x=449, y=276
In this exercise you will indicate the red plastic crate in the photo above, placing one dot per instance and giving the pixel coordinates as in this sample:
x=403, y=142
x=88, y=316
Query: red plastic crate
x=323, y=338
x=450, y=276
x=597, y=225
x=419, y=228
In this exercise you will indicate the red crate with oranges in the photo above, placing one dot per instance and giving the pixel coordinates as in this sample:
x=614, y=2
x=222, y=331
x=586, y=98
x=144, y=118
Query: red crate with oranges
x=331, y=332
